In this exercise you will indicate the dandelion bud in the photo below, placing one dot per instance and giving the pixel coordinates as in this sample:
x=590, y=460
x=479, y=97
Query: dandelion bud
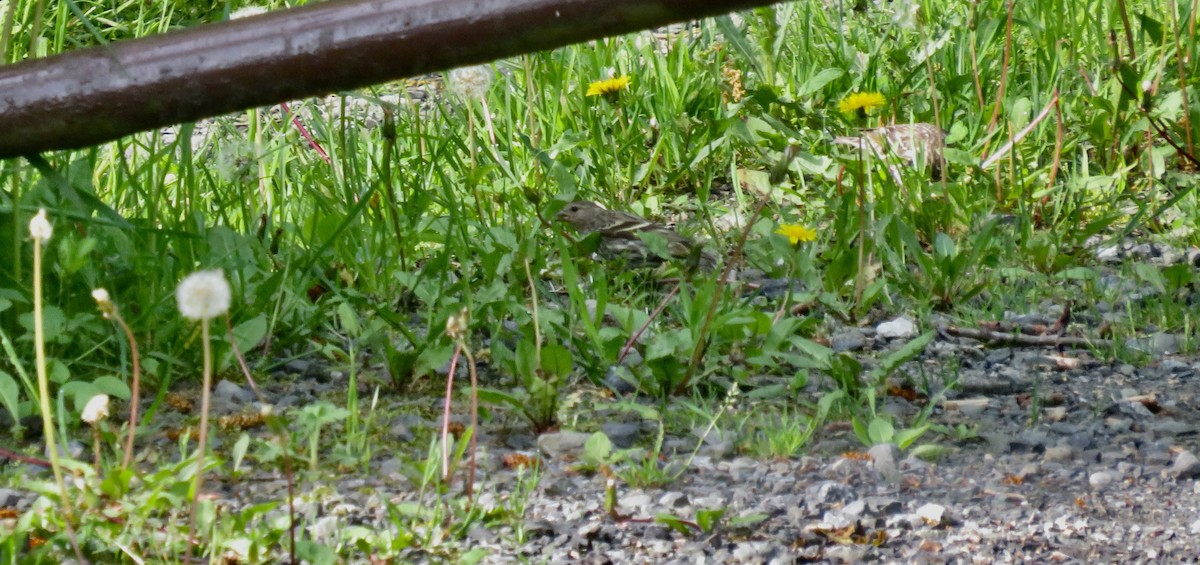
x=104, y=302
x=456, y=326
x=96, y=409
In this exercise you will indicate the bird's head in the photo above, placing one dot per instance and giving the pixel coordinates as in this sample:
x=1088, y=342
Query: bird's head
x=580, y=214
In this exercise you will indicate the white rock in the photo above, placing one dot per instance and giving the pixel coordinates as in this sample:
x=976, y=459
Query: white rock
x=899, y=328
x=932, y=514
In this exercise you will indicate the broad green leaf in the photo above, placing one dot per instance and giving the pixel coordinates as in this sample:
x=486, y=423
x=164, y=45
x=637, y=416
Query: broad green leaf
x=597, y=449
x=238, y=453
x=492, y=396
x=112, y=386
x=898, y=357
x=751, y=519
x=1151, y=275
x=818, y=81
x=347, y=318
x=675, y=523
x=10, y=397
x=906, y=437
x=556, y=360
x=880, y=431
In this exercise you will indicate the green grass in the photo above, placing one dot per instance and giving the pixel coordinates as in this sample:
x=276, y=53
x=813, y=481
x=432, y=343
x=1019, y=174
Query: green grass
x=402, y=228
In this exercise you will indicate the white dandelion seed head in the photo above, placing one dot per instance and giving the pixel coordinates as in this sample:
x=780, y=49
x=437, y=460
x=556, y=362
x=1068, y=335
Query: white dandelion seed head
x=39, y=227
x=1147, y=87
x=96, y=409
x=904, y=12
x=861, y=60
x=203, y=295
x=471, y=83
x=236, y=162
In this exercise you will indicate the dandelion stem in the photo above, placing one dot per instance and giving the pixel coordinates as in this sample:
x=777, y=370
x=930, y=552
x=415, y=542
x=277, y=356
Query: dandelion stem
x=39, y=351
x=135, y=395
x=198, y=479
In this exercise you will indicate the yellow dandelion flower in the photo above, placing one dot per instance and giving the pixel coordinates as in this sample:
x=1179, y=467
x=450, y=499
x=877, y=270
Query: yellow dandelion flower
x=609, y=88
x=796, y=233
x=861, y=102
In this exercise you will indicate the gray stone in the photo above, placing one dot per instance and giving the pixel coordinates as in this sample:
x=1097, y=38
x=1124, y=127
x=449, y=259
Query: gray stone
x=297, y=366
x=1172, y=427
x=563, y=444
x=999, y=355
x=1186, y=466
x=851, y=339
x=634, y=502
x=389, y=467
x=401, y=432
x=1156, y=344
x=1109, y=254
x=825, y=493
x=482, y=535
x=1081, y=441
x=855, y=509
x=560, y=487
x=673, y=500
x=231, y=393
x=10, y=497
x=1101, y=479
x=620, y=380
x=883, y=505
x=623, y=435
x=1058, y=453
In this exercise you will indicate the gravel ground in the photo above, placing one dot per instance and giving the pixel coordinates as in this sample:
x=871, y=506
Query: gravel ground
x=1064, y=458
x=1106, y=473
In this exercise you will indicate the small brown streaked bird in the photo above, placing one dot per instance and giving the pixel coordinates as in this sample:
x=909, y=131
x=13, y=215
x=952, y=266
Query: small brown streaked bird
x=619, y=237
x=918, y=144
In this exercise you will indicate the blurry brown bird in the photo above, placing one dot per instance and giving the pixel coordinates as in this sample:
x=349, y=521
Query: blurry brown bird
x=919, y=144
x=619, y=237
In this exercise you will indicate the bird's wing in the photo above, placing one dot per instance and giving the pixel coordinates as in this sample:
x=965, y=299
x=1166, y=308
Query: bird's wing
x=627, y=226
x=624, y=225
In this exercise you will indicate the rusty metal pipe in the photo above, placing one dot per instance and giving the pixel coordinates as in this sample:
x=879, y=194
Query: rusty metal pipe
x=97, y=94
